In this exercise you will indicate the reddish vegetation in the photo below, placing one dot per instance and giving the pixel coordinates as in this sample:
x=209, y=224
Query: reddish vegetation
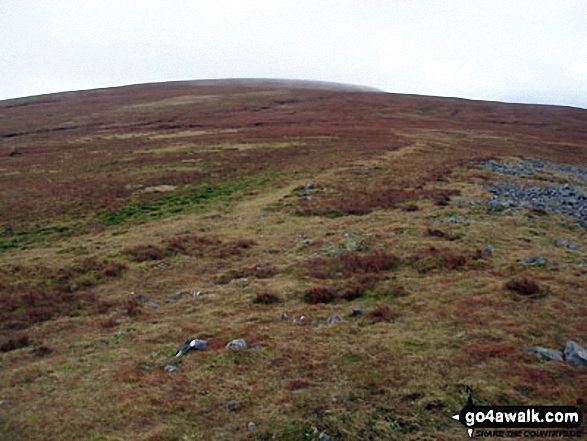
x=350, y=263
x=523, y=285
x=382, y=313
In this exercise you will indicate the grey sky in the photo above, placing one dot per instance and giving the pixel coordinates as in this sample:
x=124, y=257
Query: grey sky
x=507, y=50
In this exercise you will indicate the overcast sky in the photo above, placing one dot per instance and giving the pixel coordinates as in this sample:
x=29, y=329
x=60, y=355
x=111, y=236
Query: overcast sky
x=507, y=50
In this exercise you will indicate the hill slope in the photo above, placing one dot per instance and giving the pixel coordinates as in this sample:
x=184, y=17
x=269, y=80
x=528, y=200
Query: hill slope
x=135, y=218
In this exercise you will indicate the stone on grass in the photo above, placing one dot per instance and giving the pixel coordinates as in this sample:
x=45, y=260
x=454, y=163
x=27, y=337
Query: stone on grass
x=193, y=344
x=251, y=426
x=170, y=368
x=237, y=344
x=545, y=353
x=357, y=312
x=488, y=250
x=334, y=319
x=575, y=354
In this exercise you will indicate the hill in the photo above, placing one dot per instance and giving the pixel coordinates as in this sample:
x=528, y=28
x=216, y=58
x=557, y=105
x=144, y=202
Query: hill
x=447, y=235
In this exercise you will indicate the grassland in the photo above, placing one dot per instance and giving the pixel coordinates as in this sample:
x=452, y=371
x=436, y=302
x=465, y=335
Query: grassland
x=167, y=190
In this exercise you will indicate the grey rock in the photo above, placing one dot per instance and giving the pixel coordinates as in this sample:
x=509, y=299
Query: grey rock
x=488, y=250
x=575, y=354
x=256, y=347
x=540, y=261
x=234, y=405
x=251, y=426
x=308, y=242
x=566, y=244
x=144, y=299
x=355, y=244
x=73, y=288
x=324, y=437
x=357, y=312
x=283, y=316
x=309, y=198
x=334, y=319
x=161, y=265
x=193, y=344
x=545, y=353
x=170, y=368
x=310, y=186
x=237, y=344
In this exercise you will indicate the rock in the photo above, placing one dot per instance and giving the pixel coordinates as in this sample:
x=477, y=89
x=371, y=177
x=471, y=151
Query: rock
x=170, y=368
x=309, y=198
x=566, y=244
x=237, y=344
x=488, y=250
x=256, y=347
x=545, y=353
x=534, y=261
x=251, y=426
x=234, y=405
x=73, y=288
x=355, y=244
x=334, y=319
x=308, y=242
x=357, y=312
x=146, y=300
x=324, y=437
x=283, y=316
x=161, y=265
x=575, y=354
x=310, y=186
x=192, y=345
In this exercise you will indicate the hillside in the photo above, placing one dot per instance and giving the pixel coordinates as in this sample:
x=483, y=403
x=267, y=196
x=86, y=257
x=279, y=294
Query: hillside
x=447, y=235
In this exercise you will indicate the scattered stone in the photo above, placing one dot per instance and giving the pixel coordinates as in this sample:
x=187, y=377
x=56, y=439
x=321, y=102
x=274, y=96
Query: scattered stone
x=355, y=244
x=196, y=293
x=161, y=265
x=192, y=345
x=251, y=426
x=308, y=242
x=324, y=437
x=234, y=405
x=264, y=215
x=488, y=251
x=539, y=261
x=5, y=401
x=357, y=312
x=310, y=186
x=545, y=353
x=566, y=244
x=575, y=354
x=309, y=198
x=256, y=347
x=72, y=288
x=170, y=368
x=237, y=344
x=334, y=319
x=282, y=316
x=144, y=299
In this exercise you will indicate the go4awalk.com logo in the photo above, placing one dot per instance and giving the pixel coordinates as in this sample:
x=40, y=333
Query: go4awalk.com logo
x=520, y=421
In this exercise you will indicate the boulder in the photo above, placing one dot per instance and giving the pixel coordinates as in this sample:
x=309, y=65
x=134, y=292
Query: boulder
x=545, y=353
x=575, y=354
x=192, y=345
x=237, y=344
x=334, y=319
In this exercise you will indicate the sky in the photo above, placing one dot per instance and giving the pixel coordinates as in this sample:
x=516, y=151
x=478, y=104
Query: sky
x=530, y=51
